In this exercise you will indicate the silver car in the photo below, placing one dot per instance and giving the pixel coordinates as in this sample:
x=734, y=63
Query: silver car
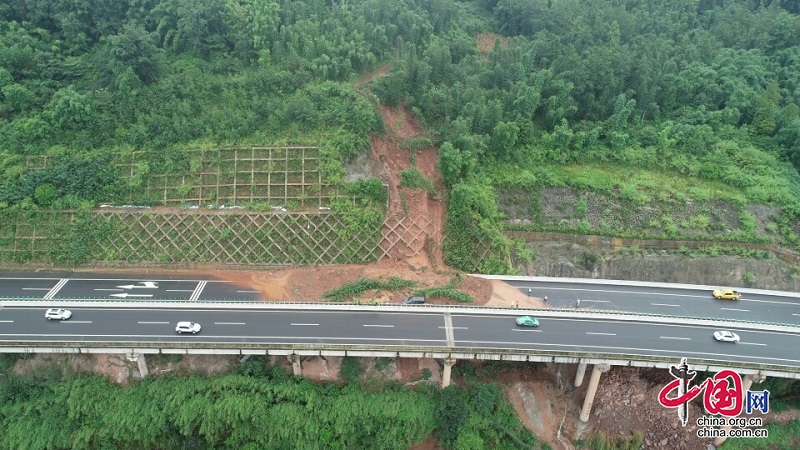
x=58, y=314
x=726, y=336
x=187, y=327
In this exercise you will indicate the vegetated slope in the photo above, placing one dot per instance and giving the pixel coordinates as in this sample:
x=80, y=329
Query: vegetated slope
x=701, y=90
x=259, y=407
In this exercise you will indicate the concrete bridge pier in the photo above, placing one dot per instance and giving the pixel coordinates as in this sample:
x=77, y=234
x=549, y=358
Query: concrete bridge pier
x=580, y=373
x=448, y=367
x=594, y=380
x=297, y=370
x=747, y=383
x=139, y=358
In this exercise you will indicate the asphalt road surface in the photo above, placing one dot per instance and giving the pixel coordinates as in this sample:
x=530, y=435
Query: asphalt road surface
x=132, y=287
x=400, y=329
x=771, y=308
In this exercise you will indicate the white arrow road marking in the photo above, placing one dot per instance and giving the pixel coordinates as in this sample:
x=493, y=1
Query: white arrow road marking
x=52, y=292
x=147, y=285
x=126, y=295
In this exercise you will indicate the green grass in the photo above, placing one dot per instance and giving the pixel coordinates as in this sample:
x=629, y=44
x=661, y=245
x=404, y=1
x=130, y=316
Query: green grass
x=781, y=437
x=602, y=441
x=638, y=182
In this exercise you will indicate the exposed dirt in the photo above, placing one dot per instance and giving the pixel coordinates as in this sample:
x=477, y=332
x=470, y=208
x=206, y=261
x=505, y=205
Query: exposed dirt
x=307, y=284
x=391, y=160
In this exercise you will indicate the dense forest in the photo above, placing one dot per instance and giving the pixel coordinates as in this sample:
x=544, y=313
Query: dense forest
x=260, y=407
x=703, y=89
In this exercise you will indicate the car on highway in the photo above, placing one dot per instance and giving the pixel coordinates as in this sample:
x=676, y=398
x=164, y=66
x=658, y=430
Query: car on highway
x=726, y=336
x=527, y=321
x=58, y=314
x=726, y=294
x=415, y=300
x=187, y=327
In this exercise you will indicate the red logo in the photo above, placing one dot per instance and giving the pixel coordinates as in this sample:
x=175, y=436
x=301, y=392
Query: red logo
x=722, y=394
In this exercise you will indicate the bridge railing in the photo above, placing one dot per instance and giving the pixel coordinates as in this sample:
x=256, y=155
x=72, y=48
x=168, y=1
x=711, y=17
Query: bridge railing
x=399, y=351
x=229, y=305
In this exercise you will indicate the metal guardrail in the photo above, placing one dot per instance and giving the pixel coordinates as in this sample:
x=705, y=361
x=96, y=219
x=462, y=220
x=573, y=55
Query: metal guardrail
x=383, y=350
x=604, y=281
x=402, y=308
x=404, y=351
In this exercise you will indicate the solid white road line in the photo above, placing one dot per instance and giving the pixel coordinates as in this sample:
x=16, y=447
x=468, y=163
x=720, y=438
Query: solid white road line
x=678, y=338
x=35, y=289
x=228, y=323
x=664, y=304
x=602, y=334
x=304, y=324
x=52, y=292
x=380, y=326
x=734, y=309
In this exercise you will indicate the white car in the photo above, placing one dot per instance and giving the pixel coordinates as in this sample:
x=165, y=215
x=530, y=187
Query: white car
x=726, y=336
x=58, y=314
x=187, y=327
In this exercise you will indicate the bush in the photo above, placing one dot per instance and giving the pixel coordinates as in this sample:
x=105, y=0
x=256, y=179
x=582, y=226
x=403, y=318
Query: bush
x=352, y=369
x=357, y=288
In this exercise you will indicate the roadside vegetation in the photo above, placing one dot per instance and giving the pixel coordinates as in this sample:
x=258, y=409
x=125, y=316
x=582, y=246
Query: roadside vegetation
x=357, y=288
x=258, y=407
x=447, y=291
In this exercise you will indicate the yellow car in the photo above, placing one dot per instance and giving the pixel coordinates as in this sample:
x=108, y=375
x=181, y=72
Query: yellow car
x=727, y=294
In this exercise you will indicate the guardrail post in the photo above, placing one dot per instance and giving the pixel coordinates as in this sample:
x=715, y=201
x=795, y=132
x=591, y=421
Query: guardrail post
x=296, y=369
x=747, y=383
x=580, y=373
x=448, y=366
x=139, y=358
x=594, y=380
